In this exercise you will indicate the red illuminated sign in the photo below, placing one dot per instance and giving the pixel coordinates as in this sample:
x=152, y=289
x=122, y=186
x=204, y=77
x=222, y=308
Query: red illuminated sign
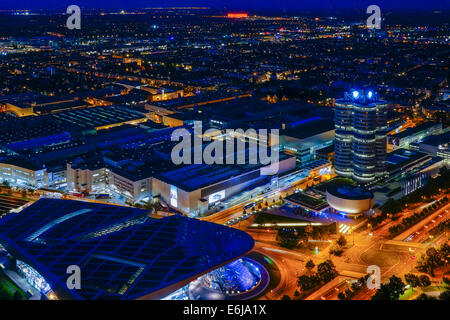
x=237, y=15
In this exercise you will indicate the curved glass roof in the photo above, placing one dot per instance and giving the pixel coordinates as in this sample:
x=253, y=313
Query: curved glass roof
x=122, y=253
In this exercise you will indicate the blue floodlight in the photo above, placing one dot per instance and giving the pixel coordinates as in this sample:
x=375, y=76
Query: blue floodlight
x=370, y=94
x=355, y=94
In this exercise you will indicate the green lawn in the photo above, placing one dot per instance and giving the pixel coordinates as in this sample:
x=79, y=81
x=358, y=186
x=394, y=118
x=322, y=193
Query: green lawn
x=8, y=288
x=408, y=294
x=434, y=288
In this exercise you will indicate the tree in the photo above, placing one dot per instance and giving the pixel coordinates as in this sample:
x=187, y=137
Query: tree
x=356, y=286
x=445, y=295
x=309, y=230
x=5, y=184
x=446, y=281
x=341, y=241
x=391, y=290
x=310, y=265
x=391, y=206
x=285, y=297
x=307, y=283
x=424, y=296
x=348, y=293
x=288, y=237
x=336, y=250
x=424, y=281
x=341, y=296
x=412, y=280
x=363, y=280
x=326, y=271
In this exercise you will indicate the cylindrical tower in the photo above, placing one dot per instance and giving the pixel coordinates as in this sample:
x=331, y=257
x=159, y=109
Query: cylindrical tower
x=343, y=138
x=360, y=137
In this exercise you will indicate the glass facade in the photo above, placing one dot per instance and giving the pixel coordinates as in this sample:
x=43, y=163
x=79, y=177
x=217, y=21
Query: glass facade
x=360, y=138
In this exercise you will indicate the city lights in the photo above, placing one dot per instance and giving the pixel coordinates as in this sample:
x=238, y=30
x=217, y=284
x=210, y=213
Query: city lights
x=253, y=151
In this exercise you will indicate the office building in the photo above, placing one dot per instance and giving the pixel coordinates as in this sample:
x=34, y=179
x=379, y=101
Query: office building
x=360, y=136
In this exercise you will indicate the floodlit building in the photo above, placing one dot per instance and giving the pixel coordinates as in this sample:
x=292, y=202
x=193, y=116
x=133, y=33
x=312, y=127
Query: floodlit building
x=21, y=173
x=436, y=145
x=193, y=188
x=307, y=136
x=410, y=135
x=412, y=169
x=360, y=137
x=134, y=186
x=87, y=177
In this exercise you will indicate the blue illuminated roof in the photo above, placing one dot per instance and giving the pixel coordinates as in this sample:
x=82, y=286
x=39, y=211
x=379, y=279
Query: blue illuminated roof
x=346, y=191
x=122, y=253
x=196, y=176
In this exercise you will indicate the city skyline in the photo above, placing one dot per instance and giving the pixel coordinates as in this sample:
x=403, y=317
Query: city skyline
x=224, y=5
x=242, y=154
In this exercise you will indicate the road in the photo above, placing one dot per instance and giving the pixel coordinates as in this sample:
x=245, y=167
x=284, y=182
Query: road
x=235, y=211
x=291, y=265
x=330, y=290
x=420, y=232
x=365, y=248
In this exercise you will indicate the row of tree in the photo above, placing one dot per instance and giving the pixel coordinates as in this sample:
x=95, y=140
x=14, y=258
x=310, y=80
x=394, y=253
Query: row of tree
x=441, y=227
x=434, y=258
x=354, y=288
x=289, y=238
x=431, y=188
x=6, y=186
x=392, y=290
x=415, y=218
x=443, y=296
x=326, y=271
x=417, y=281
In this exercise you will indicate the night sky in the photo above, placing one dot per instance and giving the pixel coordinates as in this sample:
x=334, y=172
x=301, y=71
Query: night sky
x=232, y=4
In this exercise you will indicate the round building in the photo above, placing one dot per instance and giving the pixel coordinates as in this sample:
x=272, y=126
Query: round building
x=350, y=200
